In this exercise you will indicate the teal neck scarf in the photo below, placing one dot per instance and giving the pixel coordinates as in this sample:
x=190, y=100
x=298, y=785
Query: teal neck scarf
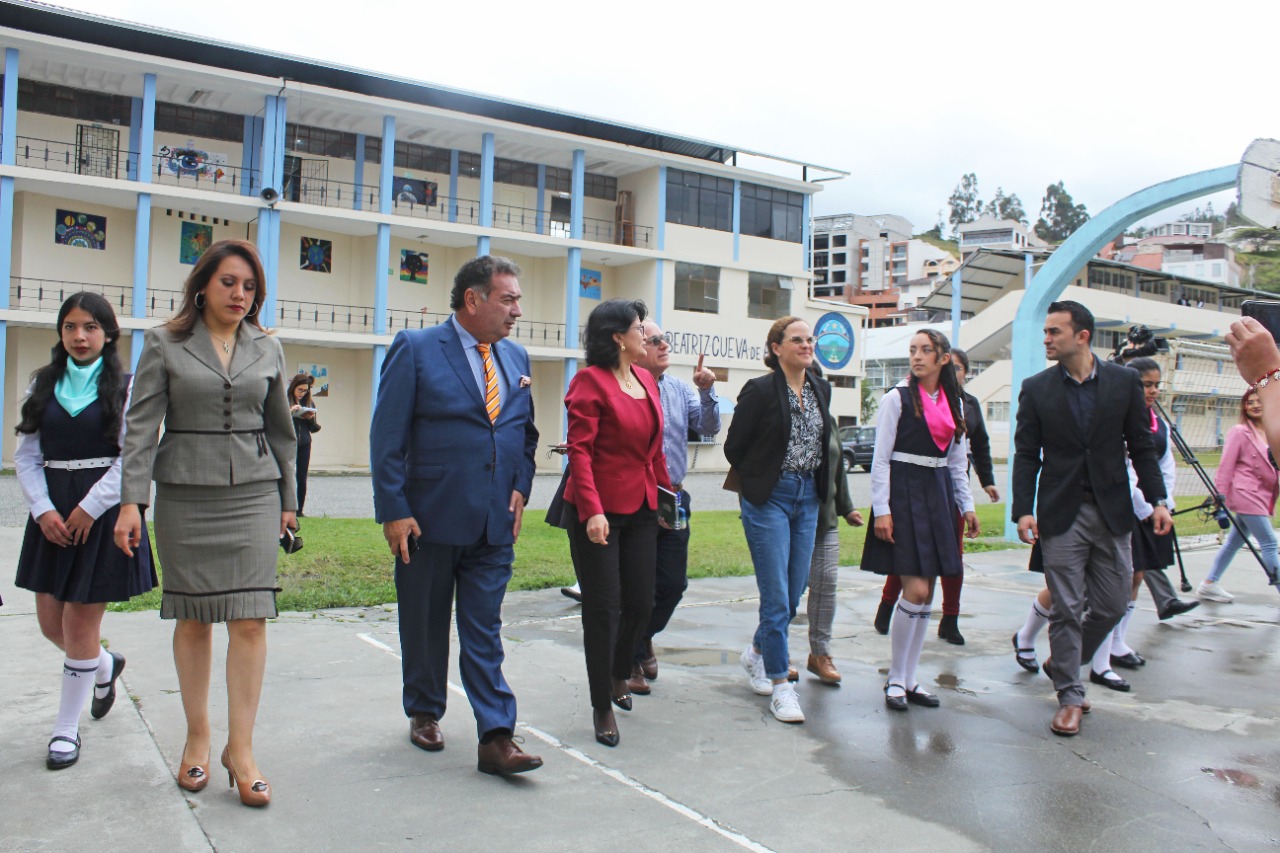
x=78, y=387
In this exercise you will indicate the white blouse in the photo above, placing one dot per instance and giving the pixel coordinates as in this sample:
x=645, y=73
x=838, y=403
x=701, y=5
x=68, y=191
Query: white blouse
x=890, y=413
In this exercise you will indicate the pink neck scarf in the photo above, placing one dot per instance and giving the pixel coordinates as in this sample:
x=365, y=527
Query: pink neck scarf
x=937, y=415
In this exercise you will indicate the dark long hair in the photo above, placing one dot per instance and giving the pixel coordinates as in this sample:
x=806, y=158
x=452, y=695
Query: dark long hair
x=183, y=323
x=301, y=379
x=111, y=388
x=946, y=381
x=609, y=318
x=1244, y=405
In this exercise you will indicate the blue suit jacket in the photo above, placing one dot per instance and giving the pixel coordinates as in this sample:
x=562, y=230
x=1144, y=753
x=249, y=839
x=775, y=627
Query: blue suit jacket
x=434, y=454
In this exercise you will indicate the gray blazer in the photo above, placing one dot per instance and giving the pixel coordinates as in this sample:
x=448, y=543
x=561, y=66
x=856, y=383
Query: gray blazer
x=222, y=428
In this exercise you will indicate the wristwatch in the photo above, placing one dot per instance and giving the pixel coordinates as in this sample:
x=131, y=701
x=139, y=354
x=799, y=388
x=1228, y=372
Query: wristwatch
x=1162, y=502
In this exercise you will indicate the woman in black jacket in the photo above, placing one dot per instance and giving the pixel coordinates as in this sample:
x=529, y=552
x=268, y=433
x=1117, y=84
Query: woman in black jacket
x=304, y=424
x=777, y=446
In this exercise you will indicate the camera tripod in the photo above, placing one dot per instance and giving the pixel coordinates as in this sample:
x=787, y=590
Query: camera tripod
x=1214, y=506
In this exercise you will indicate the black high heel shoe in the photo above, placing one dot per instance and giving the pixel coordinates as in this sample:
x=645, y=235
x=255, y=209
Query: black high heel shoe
x=606, y=733
x=621, y=697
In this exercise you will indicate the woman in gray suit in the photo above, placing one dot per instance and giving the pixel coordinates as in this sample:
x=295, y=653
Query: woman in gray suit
x=225, y=492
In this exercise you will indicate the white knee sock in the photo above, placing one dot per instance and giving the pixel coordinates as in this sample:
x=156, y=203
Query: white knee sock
x=1102, y=657
x=1037, y=619
x=77, y=684
x=106, y=663
x=901, y=633
x=1118, y=645
x=921, y=629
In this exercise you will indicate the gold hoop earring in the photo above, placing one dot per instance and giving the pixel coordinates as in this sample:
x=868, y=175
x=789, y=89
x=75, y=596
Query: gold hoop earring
x=196, y=299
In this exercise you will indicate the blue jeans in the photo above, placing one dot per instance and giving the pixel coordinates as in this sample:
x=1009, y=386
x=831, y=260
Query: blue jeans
x=1259, y=526
x=780, y=533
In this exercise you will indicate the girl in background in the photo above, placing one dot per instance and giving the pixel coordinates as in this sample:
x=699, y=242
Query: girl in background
x=304, y=425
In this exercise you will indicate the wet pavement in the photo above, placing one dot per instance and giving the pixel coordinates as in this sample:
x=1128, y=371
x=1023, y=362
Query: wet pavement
x=1190, y=760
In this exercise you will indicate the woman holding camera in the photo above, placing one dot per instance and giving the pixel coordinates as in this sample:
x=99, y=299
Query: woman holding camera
x=224, y=494
x=304, y=425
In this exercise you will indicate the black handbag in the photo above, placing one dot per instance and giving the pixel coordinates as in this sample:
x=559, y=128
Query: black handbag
x=290, y=542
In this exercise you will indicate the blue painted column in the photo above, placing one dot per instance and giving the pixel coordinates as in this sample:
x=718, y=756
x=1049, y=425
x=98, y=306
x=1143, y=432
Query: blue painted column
x=805, y=236
x=251, y=155
x=486, y=181
x=955, y=306
x=357, y=203
x=382, y=250
x=572, y=284
x=662, y=209
x=134, y=157
x=453, y=185
x=541, y=215
x=273, y=146
x=576, y=199
x=142, y=136
x=8, y=142
x=379, y=356
x=737, y=217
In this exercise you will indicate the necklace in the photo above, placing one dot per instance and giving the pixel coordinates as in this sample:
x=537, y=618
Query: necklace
x=625, y=380
x=226, y=345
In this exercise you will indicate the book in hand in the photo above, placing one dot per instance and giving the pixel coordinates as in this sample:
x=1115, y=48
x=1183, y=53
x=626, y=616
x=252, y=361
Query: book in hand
x=668, y=507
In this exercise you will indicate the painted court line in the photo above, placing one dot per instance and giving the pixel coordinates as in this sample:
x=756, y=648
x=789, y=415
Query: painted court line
x=617, y=775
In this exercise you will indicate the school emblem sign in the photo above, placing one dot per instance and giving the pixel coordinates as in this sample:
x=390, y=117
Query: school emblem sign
x=834, y=333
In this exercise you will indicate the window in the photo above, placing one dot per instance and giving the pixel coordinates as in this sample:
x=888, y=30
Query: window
x=772, y=213
x=820, y=259
x=839, y=241
x=193, y=121
x=697, y=288
x=1154, y=287
x=839, y=259
x=766, y=297
x=842, y=381
x=594, y=186
x=997, y=411
x=79, y=104
x=838, y=276
x=426, y=158
x=322, y=141
x=699, y=200
x=515, y=172
x=821, y=241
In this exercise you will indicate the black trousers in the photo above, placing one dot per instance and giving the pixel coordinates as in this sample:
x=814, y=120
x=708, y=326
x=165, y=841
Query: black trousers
x=617, y=595
x=671, y=580
x=304, y=462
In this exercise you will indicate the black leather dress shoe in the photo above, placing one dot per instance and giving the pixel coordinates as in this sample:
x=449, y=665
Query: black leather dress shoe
x=571, y=592
x=98, y=708
x=424, y=732
x=919, y=697
x=1133, y=660
x=895, y=703
x=884, y=615
x=58, y=760
x=1115, y=682
x=1177, y=607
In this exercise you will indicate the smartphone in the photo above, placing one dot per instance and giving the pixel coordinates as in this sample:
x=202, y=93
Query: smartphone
x=1265, y=312
x=412, y=544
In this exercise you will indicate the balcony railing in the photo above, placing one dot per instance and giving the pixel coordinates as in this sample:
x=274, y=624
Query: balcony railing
x=344, y=194
x=69, y=157
x=324, y=317
x=42, y=294
x=530, y=332
x=177, y=168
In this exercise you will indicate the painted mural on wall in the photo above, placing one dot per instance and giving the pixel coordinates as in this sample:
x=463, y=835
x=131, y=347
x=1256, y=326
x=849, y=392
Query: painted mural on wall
x=315, y=255
x=413, y=266
x=82, y=230
x=321, y=374
x=195, y=240
x=412, y=191
x=191, y=162
x=589, y=284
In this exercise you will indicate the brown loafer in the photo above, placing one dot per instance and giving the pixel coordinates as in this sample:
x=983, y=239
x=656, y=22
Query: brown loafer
x=502, y=757
x=649, y=663
x=793, y=674
x=424, y=732
x=1067, y=721
x=823, y=667
x=636, y=684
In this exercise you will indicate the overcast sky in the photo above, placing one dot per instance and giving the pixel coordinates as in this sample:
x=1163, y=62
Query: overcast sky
x=1107, y=97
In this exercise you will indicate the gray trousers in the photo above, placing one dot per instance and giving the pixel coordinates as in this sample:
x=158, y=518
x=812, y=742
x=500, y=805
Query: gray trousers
x=1087, y=563
x=1161, y=589
x=821, y=607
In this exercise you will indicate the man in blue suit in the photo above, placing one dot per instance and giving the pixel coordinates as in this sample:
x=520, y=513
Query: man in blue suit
x=452, y=443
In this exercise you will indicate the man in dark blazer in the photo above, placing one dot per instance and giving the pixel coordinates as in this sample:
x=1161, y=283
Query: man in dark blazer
x=452, y=443
x=1075, y=421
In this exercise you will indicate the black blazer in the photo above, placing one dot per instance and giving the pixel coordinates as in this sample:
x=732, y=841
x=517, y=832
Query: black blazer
x=1049, y=444
x=761, y=427
x=979, y=441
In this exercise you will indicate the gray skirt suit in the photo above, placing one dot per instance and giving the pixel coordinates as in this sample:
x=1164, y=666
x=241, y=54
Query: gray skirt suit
x=224, y=469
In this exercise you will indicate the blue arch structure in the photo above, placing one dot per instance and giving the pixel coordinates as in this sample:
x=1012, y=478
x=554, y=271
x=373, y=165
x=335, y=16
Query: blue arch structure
x=1068, y=259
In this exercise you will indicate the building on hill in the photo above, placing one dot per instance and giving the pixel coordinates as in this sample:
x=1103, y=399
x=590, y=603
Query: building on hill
x=126, y=149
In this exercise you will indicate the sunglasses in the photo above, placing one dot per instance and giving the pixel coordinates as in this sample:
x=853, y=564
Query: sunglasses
x=655, y=340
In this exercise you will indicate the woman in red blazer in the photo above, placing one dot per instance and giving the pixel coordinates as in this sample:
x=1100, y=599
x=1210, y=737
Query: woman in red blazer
x=611, y=498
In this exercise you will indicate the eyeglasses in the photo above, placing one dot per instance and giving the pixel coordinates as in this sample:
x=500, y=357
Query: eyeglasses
x=655, y=340
x=799, y=341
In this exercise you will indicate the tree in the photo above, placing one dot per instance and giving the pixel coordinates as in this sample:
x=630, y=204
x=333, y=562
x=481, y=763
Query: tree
x=1060, y=216
x=869, y=401
x=1004, y=206
x=964, y=203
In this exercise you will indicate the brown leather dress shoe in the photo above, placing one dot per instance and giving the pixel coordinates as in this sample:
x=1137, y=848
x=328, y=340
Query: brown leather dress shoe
x=502, y=757
x=637, y=684
x=649, y=663
x=793, y=674
x=1067, y=721
x=424, y=732
x=823, y=667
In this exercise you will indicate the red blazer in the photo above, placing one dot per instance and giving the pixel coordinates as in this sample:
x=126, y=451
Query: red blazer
x=615, y=444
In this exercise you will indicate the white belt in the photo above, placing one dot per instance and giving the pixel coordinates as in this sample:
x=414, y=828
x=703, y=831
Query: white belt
x=78, y=464
x=922, y=461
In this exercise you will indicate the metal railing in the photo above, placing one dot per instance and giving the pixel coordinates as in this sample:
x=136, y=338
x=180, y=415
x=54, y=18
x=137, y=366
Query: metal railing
x=180, y=170
x=324, y=317
x=326, y=193
x=42, y=294
x=56, y=156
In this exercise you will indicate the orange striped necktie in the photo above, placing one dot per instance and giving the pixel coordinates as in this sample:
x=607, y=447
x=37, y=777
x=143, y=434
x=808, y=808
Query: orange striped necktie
x=490, y=383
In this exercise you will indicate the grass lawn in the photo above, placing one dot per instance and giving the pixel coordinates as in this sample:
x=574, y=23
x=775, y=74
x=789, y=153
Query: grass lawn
x=346, y=562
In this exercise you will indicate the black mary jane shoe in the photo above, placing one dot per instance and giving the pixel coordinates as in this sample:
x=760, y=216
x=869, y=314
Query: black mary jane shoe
x=895, y=703
x=1115, y=682
x=608, y=737
x=923, y=699
x=1029, y=664
x=1133, y=660
x=59, y=760
x=98, y=708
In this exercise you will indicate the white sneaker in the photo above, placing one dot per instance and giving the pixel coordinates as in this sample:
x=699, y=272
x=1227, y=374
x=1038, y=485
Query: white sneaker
x=754, y=665
x=785, y=704
x=1211, y=591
